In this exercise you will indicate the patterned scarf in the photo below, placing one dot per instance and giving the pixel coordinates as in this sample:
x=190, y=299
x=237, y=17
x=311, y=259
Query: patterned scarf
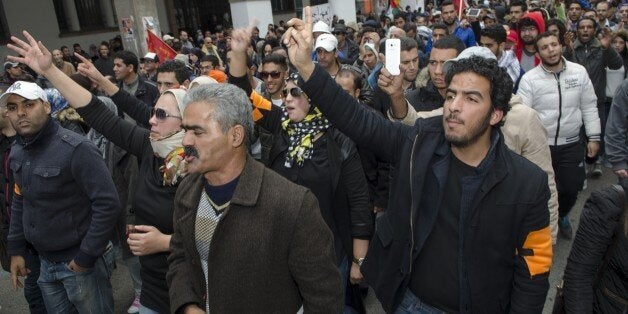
x=302, y=135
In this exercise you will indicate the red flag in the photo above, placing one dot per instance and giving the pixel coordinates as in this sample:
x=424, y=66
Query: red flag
x=460, y=5
x=158, y=46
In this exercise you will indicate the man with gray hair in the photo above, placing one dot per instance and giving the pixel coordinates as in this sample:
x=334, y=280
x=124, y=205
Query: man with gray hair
x=251, y=225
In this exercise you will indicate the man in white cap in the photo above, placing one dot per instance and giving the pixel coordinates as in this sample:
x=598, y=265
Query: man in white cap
x=319, y=28
x=12, y=71
x=65, y=205
x=326, y=53
x=151, y=62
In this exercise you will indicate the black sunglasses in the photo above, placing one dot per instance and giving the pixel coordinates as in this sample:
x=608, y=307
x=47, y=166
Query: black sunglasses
x=161, y=114
x=295, y=92
x=273, y=74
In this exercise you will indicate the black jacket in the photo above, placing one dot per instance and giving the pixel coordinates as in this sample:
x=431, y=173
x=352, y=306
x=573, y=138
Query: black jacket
x=603, y=211
x=595, y=58
x=505, y=249
x=146, y=91
x=153, y=202
x=65, y=203
x=351, y=215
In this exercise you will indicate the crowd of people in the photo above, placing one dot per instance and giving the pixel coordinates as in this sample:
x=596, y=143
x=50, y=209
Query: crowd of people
x=291, y=172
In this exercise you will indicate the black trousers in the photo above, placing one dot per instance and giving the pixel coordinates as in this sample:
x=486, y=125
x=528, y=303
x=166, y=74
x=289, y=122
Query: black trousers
x=568, y=164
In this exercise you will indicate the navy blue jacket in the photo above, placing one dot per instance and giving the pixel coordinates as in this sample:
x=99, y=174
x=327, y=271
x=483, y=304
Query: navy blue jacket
x=505, y=243
x=65, y=203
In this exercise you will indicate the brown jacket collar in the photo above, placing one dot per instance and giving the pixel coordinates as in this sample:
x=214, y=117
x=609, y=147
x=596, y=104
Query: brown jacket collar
x=246, y=192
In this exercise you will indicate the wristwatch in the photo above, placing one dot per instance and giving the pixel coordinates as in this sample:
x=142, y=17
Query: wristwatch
x=358, y=261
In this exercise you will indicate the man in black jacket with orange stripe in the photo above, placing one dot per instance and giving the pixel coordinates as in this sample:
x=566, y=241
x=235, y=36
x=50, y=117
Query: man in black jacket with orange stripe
x=467, y=225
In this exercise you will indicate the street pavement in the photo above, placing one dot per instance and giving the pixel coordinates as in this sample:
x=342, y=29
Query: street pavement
x=13, y=302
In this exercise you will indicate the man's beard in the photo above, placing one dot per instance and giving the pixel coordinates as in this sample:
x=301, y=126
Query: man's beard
x=549, y=65
x=528, y=42
x=472, y=136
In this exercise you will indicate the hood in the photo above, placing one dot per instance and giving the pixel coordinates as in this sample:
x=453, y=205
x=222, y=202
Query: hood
x=537, y=17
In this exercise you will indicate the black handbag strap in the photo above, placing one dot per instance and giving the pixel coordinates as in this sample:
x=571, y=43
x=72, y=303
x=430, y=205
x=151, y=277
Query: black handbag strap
x=615, y=239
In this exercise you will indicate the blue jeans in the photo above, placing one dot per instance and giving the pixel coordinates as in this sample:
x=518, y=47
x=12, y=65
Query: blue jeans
x=413, y=305
x=65, y=291
x=32, y=293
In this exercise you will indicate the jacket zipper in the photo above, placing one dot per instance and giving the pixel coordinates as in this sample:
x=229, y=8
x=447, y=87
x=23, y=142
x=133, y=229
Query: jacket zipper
x=412, y=204
x=560, y=109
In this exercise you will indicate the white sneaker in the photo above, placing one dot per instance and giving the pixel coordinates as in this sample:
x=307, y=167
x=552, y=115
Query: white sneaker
x=135, y=306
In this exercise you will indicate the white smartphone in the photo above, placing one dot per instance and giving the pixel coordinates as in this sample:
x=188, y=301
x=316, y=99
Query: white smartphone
x=393, y=55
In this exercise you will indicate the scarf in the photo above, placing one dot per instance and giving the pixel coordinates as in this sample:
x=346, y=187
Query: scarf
x=301, y=135
x=170, y=148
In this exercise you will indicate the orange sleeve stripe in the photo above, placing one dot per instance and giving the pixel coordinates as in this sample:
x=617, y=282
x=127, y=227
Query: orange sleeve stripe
x=16, y=189
x=540, y=243
x=259, y=102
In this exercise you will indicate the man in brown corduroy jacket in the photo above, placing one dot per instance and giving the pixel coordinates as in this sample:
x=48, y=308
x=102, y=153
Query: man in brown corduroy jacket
x=246, y=240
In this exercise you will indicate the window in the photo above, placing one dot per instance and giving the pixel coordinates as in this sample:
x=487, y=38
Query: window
x=90, y=15
x=282, y=5
x=4, y=28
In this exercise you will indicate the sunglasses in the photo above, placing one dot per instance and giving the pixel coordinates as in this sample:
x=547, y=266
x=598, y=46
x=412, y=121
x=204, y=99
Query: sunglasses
x=161, y=114
x=273, y=74
x=295, y=92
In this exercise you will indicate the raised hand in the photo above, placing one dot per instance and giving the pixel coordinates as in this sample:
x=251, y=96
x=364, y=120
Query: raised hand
x=299, y=40
x=33, y=53
x=86, y=68
x=241, y=37
x=390, y=84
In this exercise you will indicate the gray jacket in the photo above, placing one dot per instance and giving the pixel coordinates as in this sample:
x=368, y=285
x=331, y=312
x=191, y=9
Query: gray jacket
x=616, y=137
x=65, y=202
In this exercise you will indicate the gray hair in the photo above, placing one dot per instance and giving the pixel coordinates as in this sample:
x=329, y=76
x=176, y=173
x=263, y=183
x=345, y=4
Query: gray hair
x=230, y=103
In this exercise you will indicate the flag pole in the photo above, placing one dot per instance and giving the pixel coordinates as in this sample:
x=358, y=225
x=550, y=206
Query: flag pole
x=459, y=10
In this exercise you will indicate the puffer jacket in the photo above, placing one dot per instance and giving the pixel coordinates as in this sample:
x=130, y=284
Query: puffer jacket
x=602, y=213
x=572, y=90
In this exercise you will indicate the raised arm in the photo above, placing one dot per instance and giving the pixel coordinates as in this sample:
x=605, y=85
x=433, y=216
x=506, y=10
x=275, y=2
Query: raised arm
x=122, y=133
x=264, y=113
x=125, y=102
x=364, y=127
x=37, y=57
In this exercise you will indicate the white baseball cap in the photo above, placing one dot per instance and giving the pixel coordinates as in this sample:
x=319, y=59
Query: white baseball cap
x=327, y=42
x=27, y=90
x=475, y=51
x=151, y=56
x=321, y=27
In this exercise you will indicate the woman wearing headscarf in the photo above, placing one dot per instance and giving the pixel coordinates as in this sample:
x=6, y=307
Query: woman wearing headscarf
x=309, y=151
x=159, y=151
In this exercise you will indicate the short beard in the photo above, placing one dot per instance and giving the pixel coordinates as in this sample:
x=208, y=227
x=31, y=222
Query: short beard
x=549, y=65
x=474, y=134
x=531, y=42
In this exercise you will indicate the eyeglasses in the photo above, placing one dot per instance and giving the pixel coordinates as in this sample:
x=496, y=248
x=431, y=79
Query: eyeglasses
x=337, y=33
x=161, y=114
x=273, y=74
x=295, y=92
